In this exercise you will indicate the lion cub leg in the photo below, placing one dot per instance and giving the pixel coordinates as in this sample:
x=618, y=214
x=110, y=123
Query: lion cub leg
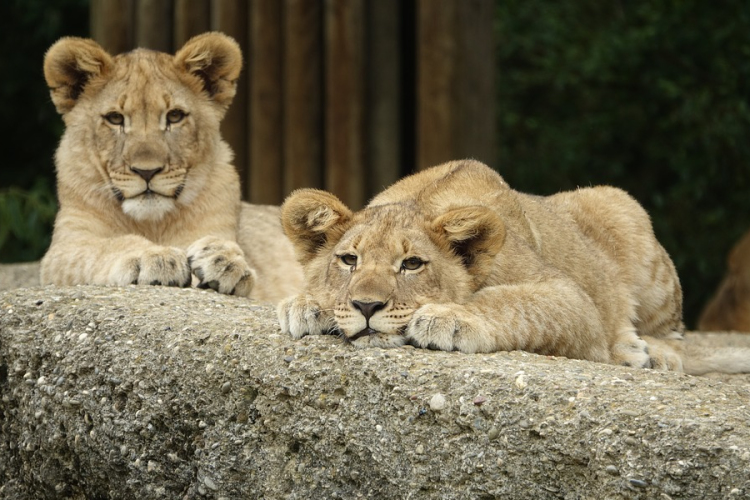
x=220, y=264
x=553, y=317
x=121, y=261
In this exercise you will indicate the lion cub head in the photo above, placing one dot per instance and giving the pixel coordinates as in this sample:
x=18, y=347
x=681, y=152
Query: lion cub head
x=376, y=267
x=139, y=124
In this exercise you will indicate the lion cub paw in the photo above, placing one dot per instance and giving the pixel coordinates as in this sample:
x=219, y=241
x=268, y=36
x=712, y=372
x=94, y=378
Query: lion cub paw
x=220, y=264
x=631, y=351
x=161, y=266
x=300, y=315
x=449, y=327
x=662, y=355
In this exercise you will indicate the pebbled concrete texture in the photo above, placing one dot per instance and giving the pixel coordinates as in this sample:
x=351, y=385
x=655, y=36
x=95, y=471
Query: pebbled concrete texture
x=153, y=392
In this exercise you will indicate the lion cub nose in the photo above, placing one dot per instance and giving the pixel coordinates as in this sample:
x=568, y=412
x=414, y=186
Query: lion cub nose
x=147, y=174
x=368, y=308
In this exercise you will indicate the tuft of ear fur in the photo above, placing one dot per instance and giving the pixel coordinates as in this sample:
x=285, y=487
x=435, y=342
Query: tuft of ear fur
x=69, y=66
x=216, y=60
x=475, y=234
x=313, y=219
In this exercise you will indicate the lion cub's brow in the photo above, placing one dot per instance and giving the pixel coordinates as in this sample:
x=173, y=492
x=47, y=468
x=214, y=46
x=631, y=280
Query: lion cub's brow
x=391, y=216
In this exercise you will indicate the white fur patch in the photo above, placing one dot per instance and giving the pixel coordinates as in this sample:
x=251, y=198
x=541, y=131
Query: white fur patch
x=148, y=208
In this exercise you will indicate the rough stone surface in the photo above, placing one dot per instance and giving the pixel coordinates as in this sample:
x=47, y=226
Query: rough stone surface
x=151, y=392
x=19, y=275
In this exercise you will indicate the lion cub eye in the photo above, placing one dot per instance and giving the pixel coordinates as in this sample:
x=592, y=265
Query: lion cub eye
x=175, y=116
x=115, y=118
x=348, y=259
x=411, y=264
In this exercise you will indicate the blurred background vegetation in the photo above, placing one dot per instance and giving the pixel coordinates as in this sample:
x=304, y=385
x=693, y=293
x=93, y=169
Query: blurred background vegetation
x=30, y=128
x=653, y=97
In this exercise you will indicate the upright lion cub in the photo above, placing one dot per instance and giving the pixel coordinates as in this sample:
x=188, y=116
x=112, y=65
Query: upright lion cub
x=452, y=258
x=147, y=191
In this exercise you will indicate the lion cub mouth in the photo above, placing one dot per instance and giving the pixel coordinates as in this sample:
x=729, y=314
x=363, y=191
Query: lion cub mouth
x=366, y=332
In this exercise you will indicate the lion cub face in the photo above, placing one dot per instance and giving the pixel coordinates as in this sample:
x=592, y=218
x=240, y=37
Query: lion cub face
x=375, y=268
x=145, y=118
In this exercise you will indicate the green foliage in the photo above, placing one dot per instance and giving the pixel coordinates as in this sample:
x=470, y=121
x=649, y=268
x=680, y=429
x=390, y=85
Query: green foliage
x=653, y=97
x=30, y=128
x=26, y=218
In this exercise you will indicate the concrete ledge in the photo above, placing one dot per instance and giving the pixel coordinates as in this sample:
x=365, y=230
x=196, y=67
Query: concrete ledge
x=151, y=392
x=19, y=275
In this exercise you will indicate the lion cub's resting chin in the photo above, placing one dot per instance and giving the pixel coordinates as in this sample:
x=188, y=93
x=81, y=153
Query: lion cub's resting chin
x=146, y=188
x=452, y=258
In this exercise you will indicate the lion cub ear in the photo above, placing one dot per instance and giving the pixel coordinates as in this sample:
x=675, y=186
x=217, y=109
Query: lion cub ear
x=475, y=234
x=69, y=66
x=313, y=219
x=216, y=60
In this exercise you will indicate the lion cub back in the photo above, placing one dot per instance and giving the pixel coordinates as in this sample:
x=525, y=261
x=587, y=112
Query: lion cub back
x=617, y=224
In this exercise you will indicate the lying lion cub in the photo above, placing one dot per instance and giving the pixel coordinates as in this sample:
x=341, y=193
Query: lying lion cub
x=729, y=308
x=146, y=188
x=452, y=258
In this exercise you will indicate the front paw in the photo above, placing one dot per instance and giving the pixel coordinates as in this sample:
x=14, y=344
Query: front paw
x=160, y=266
x=301, y=315
x=221, y=265
x=449, y=327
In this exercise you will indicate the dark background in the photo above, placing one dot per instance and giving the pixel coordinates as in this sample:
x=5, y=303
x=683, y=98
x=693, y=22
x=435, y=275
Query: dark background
x=652, y=97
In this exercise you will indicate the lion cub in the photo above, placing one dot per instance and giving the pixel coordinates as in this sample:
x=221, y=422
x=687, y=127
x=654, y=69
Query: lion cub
x=729, y=308
x=452, y=258
x=147, y=191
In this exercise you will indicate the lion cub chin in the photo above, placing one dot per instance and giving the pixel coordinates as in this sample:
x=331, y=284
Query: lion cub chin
x=148, y=207
x=147, y=191
x=452, y=258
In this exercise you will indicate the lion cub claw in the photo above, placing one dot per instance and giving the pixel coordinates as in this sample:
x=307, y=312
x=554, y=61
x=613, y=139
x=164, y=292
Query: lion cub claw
x=220, y=264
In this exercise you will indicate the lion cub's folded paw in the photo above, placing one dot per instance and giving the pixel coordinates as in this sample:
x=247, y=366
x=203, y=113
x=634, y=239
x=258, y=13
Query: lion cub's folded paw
x=631, y=351
x=221, y=265
x=161, y=266
x=449, y=327
x=662, y=356
x=300, y=315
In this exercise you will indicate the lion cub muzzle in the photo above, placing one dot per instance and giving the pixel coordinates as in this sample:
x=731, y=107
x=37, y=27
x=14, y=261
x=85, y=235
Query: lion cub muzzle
x=367, y=309
x=147, y=174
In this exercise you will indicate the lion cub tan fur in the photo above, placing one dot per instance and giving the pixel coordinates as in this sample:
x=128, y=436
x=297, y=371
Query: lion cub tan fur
x=452, y=258
x=146, y=187
x=729, y=308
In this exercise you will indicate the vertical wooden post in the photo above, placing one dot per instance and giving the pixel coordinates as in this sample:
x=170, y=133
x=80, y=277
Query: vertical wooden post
x=230, y=17
x=153, y=24
x=344, y=124
x=265, y=84
x=302, y=94
x=191, y=17
x=436, y=60
x=112, y=24
x=384, y=96
x=475, y=125
x=455, y=91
